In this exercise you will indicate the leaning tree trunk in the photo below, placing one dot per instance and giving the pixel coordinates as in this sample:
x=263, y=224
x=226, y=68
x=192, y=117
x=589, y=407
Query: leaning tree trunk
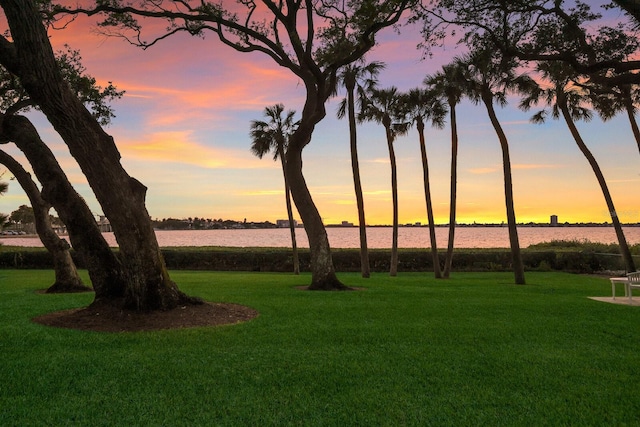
x=365, y=267
x=292, y=226
x=121, y=197
x=453, y=190
x=622, y=241
x=516, y=256
x=427, y=198
x=631, y=114
x=323, y=275
x=66, y=274
x=105, y=270
x=393, y=270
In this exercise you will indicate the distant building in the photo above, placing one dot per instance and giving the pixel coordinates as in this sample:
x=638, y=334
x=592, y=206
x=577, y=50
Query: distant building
x=284, y=223
x=346, y=224
x=104, y=225
x=554, y=220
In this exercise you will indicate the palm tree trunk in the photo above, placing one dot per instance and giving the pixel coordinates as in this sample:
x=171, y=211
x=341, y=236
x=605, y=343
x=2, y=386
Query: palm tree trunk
x=516, y=256
x=622, y=241
x=453, y=191
x=628, y=103
x=427, y=197
x=292, y=227
x=355, y=167
x=393, y=270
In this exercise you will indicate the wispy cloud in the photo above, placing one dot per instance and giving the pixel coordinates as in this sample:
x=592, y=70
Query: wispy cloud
x=178, y=146
x=483, y=171
x=263, y=193
x=534, y=166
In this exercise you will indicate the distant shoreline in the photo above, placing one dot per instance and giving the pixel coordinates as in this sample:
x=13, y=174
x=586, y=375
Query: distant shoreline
x=464, y=225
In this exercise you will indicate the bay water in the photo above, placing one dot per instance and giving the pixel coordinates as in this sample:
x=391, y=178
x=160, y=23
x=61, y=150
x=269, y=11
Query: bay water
x=377, y=237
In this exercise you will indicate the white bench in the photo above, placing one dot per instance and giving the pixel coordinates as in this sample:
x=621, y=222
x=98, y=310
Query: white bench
x=633, y=282
x=619, y=281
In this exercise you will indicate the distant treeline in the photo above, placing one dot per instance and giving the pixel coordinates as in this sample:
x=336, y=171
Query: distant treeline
x=207, y=224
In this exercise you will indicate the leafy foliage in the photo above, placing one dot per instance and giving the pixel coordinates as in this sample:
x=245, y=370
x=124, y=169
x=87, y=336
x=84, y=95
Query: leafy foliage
x=274, y=134
x=13, y=98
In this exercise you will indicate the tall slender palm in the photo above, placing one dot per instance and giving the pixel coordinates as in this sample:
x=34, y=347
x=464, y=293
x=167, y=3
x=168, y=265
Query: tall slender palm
x=383, y=106
x=448, y=85
x=421, y=105
x=361, y=78
x=274, y=136
x=568, y=100
x=488, y=81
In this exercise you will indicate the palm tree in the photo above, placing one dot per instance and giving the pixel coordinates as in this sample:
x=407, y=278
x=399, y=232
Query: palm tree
x=422, y=105
x=609, y=101
x=488, y=81
x=382, y=106
x=361, y=78
x=274, y=135
x=448, y=85
x=568, y=100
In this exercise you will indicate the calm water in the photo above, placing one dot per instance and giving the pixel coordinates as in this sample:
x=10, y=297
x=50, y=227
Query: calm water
x=377, y=237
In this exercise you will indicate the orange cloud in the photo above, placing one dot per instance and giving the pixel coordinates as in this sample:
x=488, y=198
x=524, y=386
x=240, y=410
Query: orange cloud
x=178, y=147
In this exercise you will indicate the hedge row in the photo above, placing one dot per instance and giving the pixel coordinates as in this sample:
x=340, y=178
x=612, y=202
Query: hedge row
x=281, y=260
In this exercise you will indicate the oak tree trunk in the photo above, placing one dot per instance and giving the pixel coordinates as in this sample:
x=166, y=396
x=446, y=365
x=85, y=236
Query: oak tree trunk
x=323, y=275
x=105, y=270
x=122, y=197
x=66, y=274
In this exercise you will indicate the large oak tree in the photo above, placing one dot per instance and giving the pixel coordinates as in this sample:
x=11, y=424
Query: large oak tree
x=28, y=55
x=312, y=39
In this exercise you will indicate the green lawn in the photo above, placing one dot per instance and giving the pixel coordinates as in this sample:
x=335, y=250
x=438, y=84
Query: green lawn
x=474, y=350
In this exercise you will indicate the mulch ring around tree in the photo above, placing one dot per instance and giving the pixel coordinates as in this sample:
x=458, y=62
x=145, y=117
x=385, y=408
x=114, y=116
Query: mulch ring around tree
x=108, y=318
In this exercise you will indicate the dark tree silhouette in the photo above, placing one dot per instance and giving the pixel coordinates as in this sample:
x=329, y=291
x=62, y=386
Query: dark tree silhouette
x=567, y=100
x=29, y=57
x=383, y=106
x=357, y=80
x=448, y=85
x=488, y=81
x=421, y=105
x=519, y=29
x=313, y=40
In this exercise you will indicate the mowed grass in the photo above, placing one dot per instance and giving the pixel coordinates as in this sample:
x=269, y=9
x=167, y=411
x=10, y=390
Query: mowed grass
x=473, y=350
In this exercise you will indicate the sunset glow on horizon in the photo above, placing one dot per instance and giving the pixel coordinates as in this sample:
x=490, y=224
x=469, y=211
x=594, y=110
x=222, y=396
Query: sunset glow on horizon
x=182, y=128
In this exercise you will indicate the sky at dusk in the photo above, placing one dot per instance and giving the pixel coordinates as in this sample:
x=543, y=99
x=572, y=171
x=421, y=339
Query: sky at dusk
x=183, y=130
